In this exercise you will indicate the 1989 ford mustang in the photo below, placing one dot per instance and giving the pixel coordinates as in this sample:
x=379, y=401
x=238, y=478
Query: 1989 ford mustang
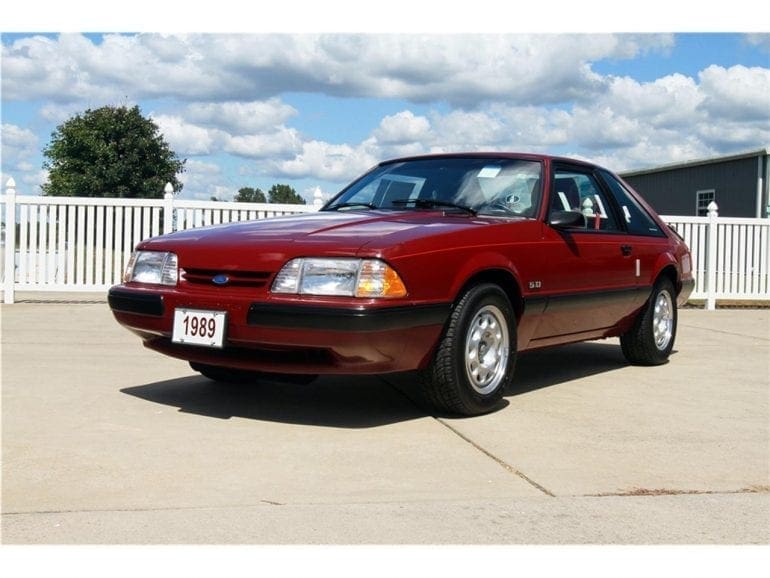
x=444, y=264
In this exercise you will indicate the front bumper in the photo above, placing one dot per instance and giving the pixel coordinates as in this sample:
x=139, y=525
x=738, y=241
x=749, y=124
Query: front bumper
x=287, y=337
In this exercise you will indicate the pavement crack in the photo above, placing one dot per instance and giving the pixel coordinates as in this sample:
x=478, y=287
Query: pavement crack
x=723, y=332
x=465, y=438
x=129, y=510
x=673, y=492
x=493, y=457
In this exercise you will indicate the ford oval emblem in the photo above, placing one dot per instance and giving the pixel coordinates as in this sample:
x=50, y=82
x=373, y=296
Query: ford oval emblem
x=221, y=279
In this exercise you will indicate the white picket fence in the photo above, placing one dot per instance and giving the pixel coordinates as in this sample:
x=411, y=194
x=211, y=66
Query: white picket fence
x=731, y=256
x=83, y=244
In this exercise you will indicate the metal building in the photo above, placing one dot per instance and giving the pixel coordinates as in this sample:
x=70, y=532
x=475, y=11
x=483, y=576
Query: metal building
x=738, y=183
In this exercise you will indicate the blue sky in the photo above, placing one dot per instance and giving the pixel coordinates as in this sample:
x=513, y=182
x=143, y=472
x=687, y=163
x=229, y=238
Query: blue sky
x=315, y=108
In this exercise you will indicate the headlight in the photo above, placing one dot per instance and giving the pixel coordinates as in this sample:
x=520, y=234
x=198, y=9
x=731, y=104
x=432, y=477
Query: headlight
x=369, y=278
x=156, y=267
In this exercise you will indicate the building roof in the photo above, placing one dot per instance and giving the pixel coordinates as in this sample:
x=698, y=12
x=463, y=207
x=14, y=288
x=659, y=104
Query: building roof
x=763, y=152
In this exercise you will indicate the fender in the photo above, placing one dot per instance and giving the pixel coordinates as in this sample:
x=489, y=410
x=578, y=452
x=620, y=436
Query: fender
x=480, y=264
x=663, y=261
x=527, y=313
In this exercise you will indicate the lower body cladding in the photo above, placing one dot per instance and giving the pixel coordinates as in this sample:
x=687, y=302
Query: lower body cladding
x=291, y=338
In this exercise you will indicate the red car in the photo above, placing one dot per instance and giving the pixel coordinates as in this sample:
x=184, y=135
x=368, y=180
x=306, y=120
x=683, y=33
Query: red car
x=446, y=265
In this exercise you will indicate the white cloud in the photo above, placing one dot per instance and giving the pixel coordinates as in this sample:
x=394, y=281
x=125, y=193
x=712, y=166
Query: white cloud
x=460, y=68
x=19, y=148
x=734, y=136
x=326, y=161
x=282, y=143
x=403, y=128
x=534, y=128
x=221, y=95
x=250, y=130
x=240, y=118
x=468, y=129
x=646, y=153
x=57, y=113
x=761, y=40
x=598, y=128
x=737, y=93
x=671, y=101
x=188, y=139
x=202, y=168
x=18, y=143
x=33, y=181
x=203, y=180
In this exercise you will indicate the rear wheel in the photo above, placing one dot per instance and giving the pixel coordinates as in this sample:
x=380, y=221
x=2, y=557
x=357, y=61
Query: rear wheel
x=475, y=359
x=651, y=339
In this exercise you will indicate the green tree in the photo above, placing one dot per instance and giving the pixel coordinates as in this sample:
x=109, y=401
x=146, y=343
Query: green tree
x=110, y=152
x=284, y=194
x=250, y=195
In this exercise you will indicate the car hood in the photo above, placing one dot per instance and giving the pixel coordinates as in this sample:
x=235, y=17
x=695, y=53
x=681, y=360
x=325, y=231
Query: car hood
x=340, y=234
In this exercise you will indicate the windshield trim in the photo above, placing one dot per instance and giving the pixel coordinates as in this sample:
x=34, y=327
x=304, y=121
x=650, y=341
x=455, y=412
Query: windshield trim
x=486, y=184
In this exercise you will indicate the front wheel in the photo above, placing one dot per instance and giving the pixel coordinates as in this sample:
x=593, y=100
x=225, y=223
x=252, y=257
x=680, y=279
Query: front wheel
x=476, y=356
x=651, y=339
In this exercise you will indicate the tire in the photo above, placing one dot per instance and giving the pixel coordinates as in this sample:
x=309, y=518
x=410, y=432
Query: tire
x=476, y=356
x=651, y=339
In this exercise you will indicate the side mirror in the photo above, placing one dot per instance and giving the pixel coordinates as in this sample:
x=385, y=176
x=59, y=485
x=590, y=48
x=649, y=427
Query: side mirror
x=566, y=219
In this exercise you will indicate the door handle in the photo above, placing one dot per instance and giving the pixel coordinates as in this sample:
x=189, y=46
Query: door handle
x=626, y=250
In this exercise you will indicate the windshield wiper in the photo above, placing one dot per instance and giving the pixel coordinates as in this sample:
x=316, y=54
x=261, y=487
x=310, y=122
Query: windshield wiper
x=348, y=205
x=431, y=203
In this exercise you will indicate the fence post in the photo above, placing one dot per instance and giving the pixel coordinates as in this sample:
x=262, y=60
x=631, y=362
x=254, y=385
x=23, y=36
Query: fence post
x=711, y=259
x=168, y=208
x=9, y=274
x=318, y=198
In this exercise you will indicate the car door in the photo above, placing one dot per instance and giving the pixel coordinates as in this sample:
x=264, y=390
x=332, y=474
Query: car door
x=587, y=274
x=645, y=237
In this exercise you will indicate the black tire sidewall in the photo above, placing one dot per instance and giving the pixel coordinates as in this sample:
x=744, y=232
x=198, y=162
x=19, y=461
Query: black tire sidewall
x=638, y=344
x=474, y=300
x=666, y=286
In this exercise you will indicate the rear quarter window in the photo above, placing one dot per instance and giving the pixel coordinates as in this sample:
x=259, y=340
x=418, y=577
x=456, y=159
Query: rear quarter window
x=637, y=220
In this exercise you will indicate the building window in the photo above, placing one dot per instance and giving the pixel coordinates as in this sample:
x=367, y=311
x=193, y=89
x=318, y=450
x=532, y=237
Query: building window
x=702, y=201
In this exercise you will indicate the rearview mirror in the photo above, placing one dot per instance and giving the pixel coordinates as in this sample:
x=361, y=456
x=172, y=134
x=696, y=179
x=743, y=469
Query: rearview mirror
x=566, y=219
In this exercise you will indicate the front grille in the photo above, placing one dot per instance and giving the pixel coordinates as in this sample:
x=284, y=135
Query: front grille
x=235, y=278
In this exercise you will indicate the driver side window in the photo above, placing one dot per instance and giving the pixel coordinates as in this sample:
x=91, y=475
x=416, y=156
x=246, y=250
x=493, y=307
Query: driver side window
x=579, y=192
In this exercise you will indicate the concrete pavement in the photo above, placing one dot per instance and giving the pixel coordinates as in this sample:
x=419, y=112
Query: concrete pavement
x=107, y=442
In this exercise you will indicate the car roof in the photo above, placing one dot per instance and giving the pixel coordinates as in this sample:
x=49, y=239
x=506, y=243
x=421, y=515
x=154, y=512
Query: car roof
x=491, y=155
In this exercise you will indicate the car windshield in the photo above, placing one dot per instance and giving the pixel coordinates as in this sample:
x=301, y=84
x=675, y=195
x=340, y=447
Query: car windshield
x=485, y=186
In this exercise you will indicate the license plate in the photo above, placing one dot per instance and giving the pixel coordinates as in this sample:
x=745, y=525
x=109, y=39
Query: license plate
x=199, y=327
